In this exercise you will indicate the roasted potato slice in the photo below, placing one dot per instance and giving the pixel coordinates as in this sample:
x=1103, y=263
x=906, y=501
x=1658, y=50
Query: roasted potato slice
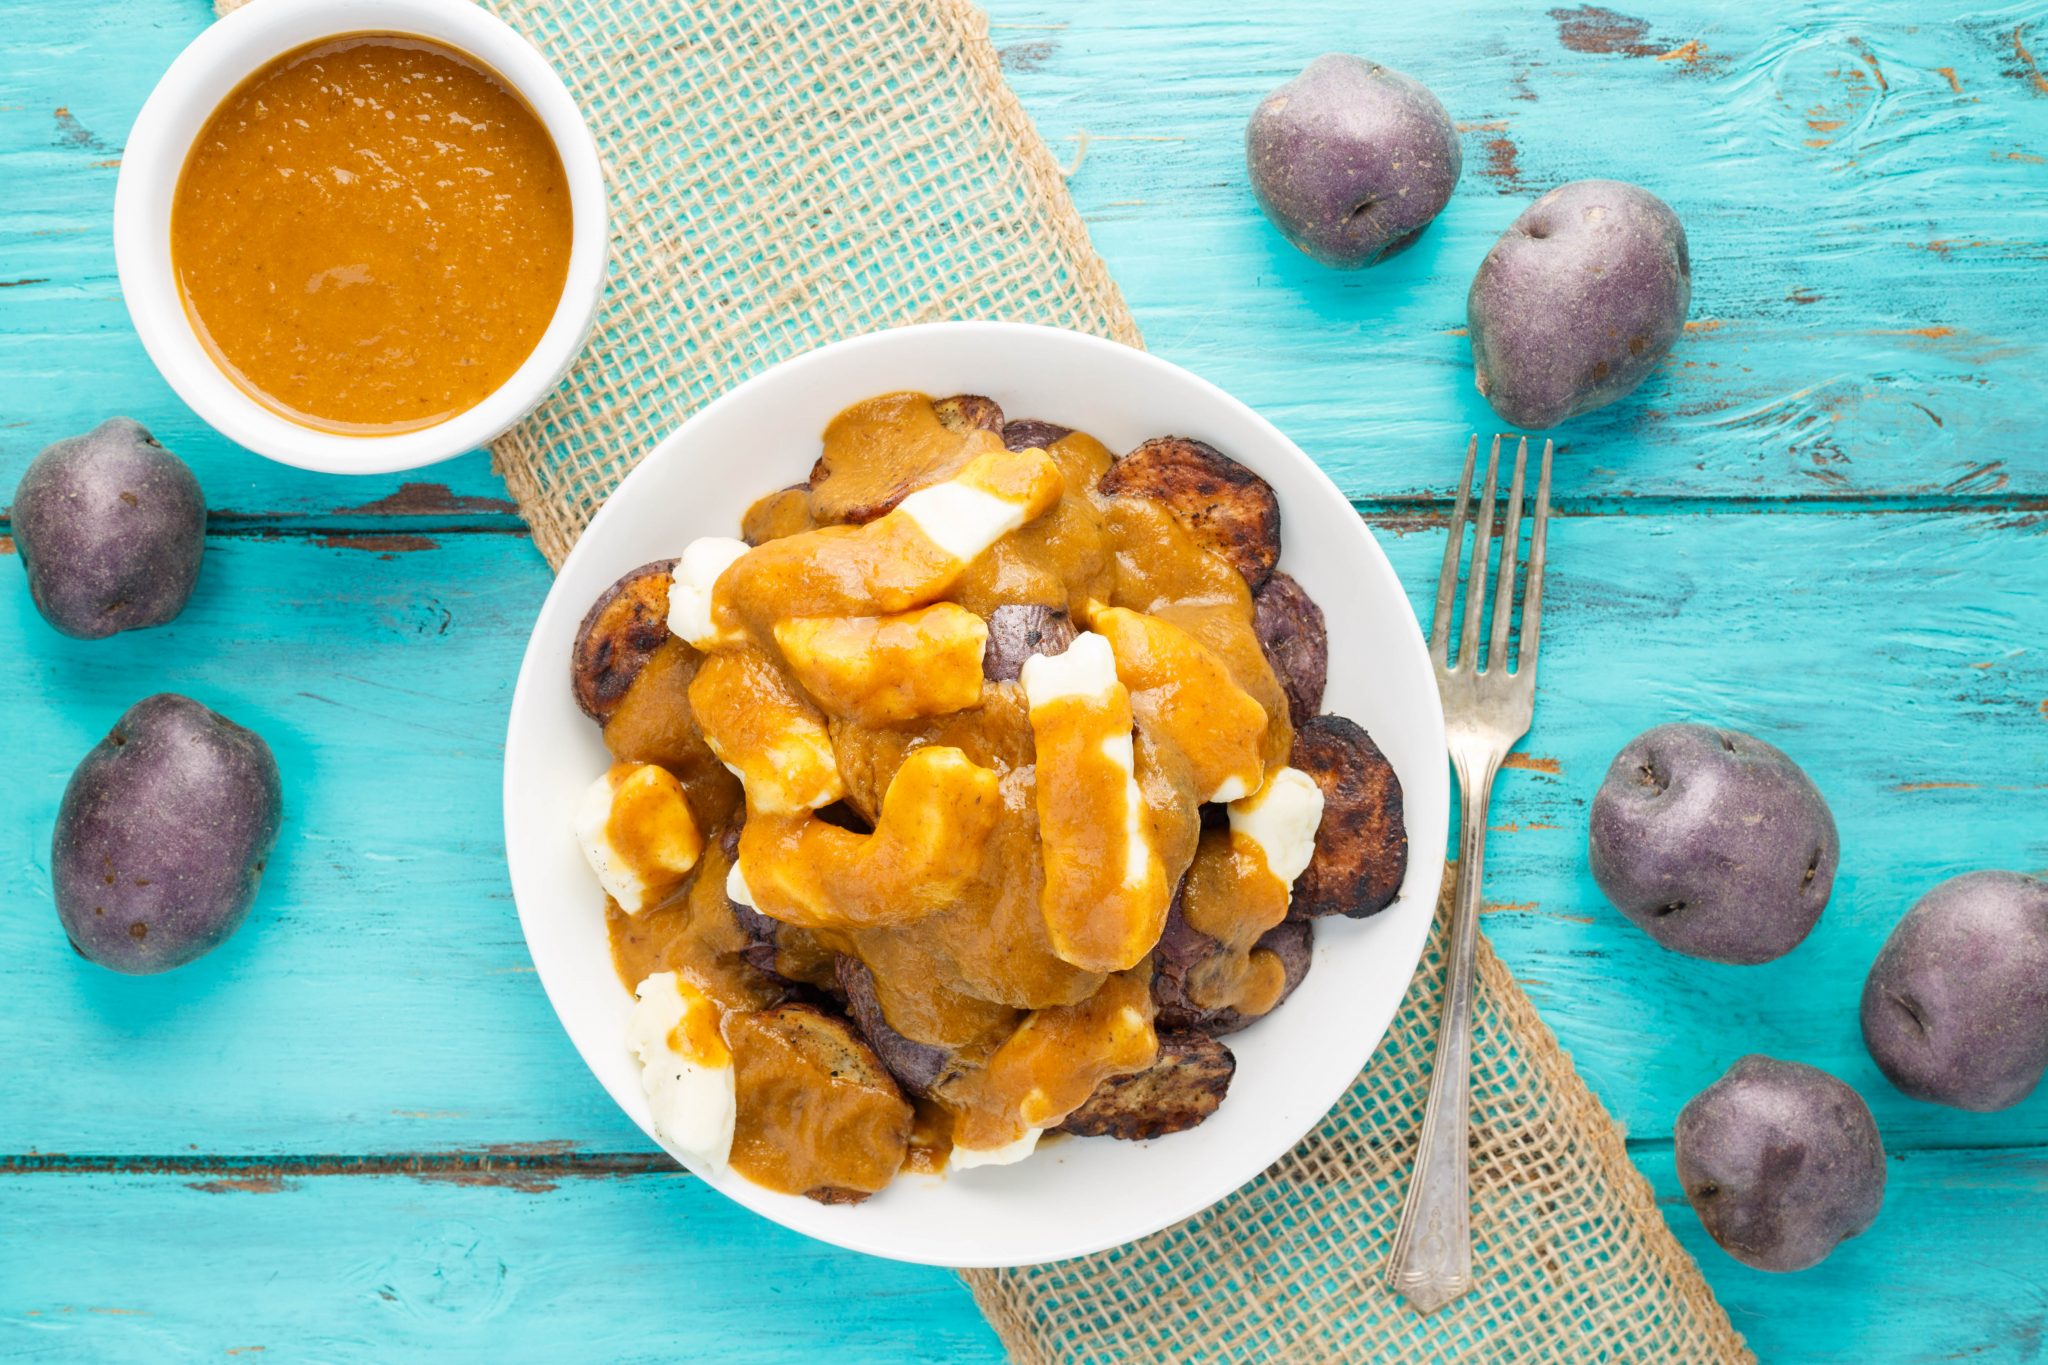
x=1179, y=1090
x=880, y=451
x=1230, y=511
x=1182, y=948
x=783, y=951
x=1290, y=628
x=627, y=623
x=1030, y=434
x=785, y=512
x=967, y=411
x=1017, y=632
x=918, y=1067
x=1362, y=847
x=818, y=1114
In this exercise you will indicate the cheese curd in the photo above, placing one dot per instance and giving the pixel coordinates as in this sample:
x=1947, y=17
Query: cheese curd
x=1106, y=892
x=1282, y=819
x=1009, y=1154
x=686, y=1068
x=638, y=834
x=690, y=594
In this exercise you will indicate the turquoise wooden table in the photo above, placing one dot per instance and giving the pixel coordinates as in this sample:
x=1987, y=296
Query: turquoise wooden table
x=357, y=1132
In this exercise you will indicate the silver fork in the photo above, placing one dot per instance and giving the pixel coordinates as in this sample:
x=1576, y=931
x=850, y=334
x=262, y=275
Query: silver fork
x=1486, y=709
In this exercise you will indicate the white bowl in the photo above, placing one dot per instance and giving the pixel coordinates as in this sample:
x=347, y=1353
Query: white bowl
x=1076, y=1195
x=205, y=73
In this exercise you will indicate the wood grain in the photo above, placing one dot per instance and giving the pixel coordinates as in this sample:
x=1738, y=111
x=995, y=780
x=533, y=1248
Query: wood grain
x=359, y=1127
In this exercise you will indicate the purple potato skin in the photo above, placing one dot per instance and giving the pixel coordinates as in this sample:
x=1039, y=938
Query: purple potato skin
x=1955, y=1009
x=162, y=836
x=1352, y=160
x=111, y=528
x=1577, y=301
x=1781, y=1161
x=1290, y=628
x=1714, y=843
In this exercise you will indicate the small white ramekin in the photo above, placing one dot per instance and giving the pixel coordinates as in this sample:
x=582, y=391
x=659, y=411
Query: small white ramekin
x=203, y=75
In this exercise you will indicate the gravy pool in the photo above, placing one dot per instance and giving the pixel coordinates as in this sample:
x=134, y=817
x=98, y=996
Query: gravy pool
x=371, y=234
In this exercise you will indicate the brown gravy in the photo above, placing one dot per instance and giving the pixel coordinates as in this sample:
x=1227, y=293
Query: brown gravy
x=975, y=970
x=371, y=234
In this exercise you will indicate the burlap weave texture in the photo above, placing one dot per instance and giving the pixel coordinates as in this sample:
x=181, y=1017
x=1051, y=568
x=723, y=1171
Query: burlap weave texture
x=784, y=173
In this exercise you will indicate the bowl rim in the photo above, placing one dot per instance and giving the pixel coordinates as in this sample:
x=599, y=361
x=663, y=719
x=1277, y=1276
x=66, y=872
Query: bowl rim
x=1427, y=819
x=214, y=64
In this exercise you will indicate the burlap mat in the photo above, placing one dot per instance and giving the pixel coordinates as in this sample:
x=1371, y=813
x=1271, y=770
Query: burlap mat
x=784, y=173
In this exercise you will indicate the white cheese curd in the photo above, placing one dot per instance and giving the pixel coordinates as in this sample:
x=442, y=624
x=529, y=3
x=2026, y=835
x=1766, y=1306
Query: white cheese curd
x=1086, y=672
x=1009, y=1154
x=736, y=889
x=665, y=840
x=1282, y=819
x=694, y=1099
x=1233, y=788
x=690, y=584
x=962, y=520
x=1119, y=750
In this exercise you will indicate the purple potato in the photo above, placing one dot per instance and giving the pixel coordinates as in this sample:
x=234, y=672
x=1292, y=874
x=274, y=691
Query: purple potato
x=1781, y=1161
x=1955, y=1009
x=111, y=528
x=1290, y=628
x=1361, y=853
x=1577, y=301
x=1352, y=160
x=1182, y=948
x=1714, y=843
x=162, y=836
x=917, y=1067
x=619, y=634
x=1185, y=1084
x=1016, y=632
x=1028, y=433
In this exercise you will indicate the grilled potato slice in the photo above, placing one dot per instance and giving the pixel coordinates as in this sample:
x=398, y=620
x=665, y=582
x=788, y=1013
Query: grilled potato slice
x=1182, y=947
x=880, y=451
x=818, y=1114
x=1230, y=511
x=1179, y=1090
x=1362, y=848
x=785, y=512
x=622, y=629
x=1017, y=632
x=918, y=1067
x=966, y=411
x=1290, y=629
x=1030, y=434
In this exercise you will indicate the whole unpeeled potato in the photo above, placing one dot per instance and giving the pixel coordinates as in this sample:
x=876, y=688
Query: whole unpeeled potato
x=1578, y=301
x=1713, y=842
x=1781, y=1161
x=1352, y=160
x=111, y=527
x=162, y=836
x=1955, y=1009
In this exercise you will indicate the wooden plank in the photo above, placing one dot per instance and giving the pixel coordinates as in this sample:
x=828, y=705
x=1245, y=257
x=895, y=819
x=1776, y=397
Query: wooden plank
x=1896, y=655
x=1863, y=190
x=1867, y=286
x=361, y=1268
x=656, y=1267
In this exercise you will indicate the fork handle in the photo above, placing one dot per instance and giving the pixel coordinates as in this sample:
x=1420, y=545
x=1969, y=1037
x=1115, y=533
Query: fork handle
x=1431, y=1261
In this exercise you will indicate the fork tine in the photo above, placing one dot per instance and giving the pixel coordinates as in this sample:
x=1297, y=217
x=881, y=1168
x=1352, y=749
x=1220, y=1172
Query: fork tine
x=1475, y=588
x=1447, y=581
x=1510, y=551
x=1532, y=597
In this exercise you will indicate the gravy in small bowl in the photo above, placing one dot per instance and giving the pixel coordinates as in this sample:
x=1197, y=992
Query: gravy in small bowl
x=371, y=233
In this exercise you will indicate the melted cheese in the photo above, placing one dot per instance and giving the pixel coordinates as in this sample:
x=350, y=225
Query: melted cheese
x=1105, y=892
x=686, y=1069
x=637, y=834
x=691, y=596
x=1282, y=820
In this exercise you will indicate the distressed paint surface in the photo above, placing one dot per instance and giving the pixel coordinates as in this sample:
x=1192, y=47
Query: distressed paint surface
x=1822, y=520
